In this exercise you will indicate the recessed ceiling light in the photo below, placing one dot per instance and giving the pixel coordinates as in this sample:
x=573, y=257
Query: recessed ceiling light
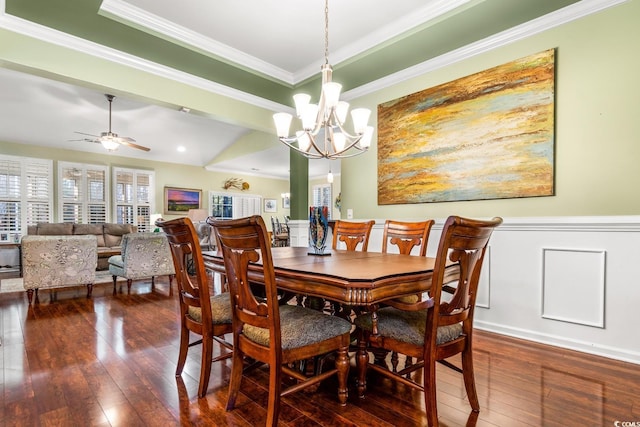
x=181, y=149
x=184, y=109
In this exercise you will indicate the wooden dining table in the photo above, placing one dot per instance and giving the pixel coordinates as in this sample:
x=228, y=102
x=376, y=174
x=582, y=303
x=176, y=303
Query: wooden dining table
x=363, y=279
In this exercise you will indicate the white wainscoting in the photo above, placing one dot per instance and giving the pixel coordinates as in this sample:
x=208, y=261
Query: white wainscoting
x=566, y=281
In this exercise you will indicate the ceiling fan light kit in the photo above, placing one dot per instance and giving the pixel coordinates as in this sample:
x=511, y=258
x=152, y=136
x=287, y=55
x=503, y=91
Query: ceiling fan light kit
x=326, y=118
x=110, y=140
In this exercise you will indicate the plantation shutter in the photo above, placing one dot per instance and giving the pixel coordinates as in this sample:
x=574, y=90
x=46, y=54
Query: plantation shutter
x=133, y=193
x=10, y=193
x=322, y=196
x=82, y=193
x=39, y=191
x=25, y=194
x=229, y=206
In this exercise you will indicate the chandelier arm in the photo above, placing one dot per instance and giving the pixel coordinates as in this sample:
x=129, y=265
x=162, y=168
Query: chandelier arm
x=312, y=155
x=322, y=153
x=347, y=134
x=293, y=147
x=352, y=144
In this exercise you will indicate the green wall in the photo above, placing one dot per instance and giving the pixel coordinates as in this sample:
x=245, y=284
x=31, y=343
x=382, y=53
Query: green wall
x=597, y=127
x=167, y=174
x=597, y=143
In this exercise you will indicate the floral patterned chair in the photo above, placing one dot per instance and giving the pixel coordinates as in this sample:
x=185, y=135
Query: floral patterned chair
x=57, y=262
x=144, y=255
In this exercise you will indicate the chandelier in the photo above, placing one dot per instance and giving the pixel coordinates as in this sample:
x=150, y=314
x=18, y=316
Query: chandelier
x=323, y=134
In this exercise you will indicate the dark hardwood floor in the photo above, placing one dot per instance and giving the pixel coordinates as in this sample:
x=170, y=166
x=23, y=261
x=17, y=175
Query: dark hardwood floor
x=110, y=361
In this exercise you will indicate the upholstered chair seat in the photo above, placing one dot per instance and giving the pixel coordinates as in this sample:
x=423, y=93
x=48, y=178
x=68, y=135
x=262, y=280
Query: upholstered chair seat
x=220, y=310
x=292, y=335
x=407, y=326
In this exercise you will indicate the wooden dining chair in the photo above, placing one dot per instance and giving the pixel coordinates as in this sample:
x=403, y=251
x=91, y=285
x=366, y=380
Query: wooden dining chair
x=406, y=236
x=352, y=234
x=433, y=330
x=409, y=238
x=200, y=313
x=268, y=332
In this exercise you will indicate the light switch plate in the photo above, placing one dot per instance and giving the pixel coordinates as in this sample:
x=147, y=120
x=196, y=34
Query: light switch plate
x=349, y=213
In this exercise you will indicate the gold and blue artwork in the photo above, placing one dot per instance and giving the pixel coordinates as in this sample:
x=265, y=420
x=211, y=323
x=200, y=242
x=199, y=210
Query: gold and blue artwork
x=486, y=136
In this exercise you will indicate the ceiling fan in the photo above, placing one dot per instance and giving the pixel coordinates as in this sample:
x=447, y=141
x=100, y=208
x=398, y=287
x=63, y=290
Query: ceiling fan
x=109, y=140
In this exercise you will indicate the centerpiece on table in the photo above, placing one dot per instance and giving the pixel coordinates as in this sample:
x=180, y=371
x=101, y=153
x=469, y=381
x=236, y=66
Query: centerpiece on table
x=318, y=229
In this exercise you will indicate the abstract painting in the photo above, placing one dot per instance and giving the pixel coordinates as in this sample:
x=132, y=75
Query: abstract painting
x=486, y=136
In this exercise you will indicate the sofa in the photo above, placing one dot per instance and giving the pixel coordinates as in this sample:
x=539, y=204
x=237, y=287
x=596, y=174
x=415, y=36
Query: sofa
x=108, y=236
x=50, y=262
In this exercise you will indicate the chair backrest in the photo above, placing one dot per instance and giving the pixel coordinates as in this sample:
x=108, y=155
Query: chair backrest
x=463, y=241
x=406, y=235
x=352, y=234
x=244, y=242
x=193, y=290
x=146, y=254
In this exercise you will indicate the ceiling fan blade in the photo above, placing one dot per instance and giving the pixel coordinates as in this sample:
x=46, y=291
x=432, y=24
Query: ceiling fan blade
x=88, y=134
x=129, y=142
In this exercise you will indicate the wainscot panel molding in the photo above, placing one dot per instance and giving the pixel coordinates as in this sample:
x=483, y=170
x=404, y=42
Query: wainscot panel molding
x=511, y=294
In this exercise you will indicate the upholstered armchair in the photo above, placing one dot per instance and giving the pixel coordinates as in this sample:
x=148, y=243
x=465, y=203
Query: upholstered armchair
x=144, y=255
x=57, y=262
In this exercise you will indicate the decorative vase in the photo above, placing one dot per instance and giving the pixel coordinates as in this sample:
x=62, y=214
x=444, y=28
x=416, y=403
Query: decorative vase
x=318, y=229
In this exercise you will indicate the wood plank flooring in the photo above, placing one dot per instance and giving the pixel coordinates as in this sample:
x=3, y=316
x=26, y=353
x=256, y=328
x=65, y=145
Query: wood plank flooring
x=110, y=361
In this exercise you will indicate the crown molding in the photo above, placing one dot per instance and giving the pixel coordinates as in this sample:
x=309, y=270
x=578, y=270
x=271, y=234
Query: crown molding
x=128, y=14
x=552, y=20
x=49, y=35
x=536, y=26
x=430, y=13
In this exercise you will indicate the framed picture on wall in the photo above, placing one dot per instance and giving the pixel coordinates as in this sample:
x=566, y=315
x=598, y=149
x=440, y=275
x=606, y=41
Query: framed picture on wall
x=286, y=201
x=270, y=205
x=178, y=201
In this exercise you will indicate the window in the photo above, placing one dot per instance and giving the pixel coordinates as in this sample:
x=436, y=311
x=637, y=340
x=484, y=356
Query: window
x=322, y=196
x=82, y=193
x=26, y=196
x=230, y=206
x=134, y=197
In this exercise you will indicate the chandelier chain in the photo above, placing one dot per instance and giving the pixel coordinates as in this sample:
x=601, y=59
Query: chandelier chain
x=326, y=31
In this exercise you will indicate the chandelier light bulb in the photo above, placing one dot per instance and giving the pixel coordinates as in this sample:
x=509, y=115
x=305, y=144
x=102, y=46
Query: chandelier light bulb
x=360, y=118
x=331, y=92
x=309, y=116
x=303, y=140
x=283, y=123
x=339, y=141
x=301, y=100
x=341, y=111
x=365, y=141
